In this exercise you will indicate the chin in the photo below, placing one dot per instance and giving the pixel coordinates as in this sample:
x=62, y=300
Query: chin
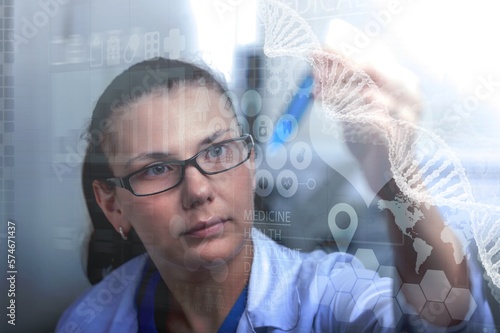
x=222, y=248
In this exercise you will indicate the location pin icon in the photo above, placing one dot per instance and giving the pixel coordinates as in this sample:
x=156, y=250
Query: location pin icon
x=342, y=236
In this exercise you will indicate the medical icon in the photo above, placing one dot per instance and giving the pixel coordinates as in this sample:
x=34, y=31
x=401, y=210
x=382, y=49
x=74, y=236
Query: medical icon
x=275, y=65
x=263, y=128
x=219, y=302
x=113, y=50
x=208, y=300
x=174, y=44
x=264, y=183
x=300, y=155
x=131, y=48
x=229, y=156
x=286, y=129
x=227, y=103
x=186, y=297
x=287, y=183
x=197, y=299
x=151, y=44
x=274, y=85
x=342, y=236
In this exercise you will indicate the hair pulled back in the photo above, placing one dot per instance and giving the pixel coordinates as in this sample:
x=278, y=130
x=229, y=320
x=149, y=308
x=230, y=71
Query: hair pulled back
x=138, y=81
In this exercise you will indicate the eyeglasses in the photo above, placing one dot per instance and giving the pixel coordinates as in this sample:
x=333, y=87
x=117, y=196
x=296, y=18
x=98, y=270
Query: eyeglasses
x=161, y=177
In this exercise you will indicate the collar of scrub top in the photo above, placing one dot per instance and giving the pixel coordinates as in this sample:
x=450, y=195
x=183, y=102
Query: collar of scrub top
x=147, y=306
x=273, y=300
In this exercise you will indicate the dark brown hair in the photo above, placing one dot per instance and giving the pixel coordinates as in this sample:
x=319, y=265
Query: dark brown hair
x=106, y=249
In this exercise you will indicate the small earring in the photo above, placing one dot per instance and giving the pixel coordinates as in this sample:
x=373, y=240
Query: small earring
x=120, y=230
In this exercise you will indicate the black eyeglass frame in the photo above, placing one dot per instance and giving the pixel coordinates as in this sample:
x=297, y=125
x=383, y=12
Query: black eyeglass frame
x=124, y=182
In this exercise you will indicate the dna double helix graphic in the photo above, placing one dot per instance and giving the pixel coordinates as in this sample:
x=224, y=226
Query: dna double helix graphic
x=424, y=167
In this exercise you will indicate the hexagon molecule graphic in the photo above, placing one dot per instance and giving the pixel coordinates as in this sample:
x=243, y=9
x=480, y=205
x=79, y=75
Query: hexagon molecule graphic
x=435, y=285
x=380, y=311
x=370, y=262
x=391, y=272
x=364, y=303
x=413, y=291
x=458, y=302
x=436, y=313
x=343, y=306
x=347, y=283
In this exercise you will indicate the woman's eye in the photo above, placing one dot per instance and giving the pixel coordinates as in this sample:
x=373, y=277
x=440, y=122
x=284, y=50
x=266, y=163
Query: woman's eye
x=217, y=151
x=157, y=170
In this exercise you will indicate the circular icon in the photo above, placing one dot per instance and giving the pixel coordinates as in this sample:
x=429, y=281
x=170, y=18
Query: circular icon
x=275, y=65
x=177, y=226
x=258, y=155
x=287, y=183
x=230, y=156
x=300, y=155
x=276, y=155
x=227, y=104
x=263, y=128
x=287, y=97
x=287, y=128
x=264, y=183
x=251, y=103
x=297, y=72
x=216, y=124
x=241, y=123
x=311, y=183
x=273, y=85
x=220, y=274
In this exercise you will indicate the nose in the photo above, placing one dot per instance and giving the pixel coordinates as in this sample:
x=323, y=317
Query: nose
x=196, y=188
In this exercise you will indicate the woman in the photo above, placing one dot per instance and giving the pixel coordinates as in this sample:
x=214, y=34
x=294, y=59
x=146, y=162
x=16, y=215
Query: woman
x=167, y=159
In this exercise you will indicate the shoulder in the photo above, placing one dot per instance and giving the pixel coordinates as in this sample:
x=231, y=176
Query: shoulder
x=298, y=291
x=294, y=290
x=343, y=293
x=109, y=306
x=271, y=258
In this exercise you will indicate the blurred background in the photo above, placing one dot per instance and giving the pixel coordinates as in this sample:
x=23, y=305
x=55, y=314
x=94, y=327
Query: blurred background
x=58, y=56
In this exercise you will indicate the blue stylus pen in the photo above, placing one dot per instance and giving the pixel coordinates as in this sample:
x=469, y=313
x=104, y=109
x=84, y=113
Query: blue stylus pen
x=297, y=107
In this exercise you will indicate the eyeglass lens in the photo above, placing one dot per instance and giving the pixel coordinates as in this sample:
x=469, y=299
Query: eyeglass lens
x=215, y=159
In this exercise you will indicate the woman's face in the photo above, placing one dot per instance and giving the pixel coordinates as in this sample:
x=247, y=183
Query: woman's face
x=202, y=220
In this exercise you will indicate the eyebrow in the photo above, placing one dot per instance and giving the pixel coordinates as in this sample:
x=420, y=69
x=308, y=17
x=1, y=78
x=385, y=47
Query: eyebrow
x=158, y=155
x=214, y=136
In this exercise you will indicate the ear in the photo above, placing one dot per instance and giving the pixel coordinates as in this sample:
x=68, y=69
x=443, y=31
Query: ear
x=110, y=205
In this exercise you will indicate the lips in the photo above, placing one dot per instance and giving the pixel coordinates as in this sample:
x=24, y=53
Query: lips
x=212, y=227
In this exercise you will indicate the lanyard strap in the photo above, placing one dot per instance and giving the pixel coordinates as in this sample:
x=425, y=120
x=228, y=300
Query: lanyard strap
x=146, y=315
x=230, y=324
x=146, y=311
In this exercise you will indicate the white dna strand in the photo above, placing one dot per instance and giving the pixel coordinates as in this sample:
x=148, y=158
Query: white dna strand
x=424, y=167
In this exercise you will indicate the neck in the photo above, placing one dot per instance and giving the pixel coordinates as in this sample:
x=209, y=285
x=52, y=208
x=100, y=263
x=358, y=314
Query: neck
x=204, y=297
